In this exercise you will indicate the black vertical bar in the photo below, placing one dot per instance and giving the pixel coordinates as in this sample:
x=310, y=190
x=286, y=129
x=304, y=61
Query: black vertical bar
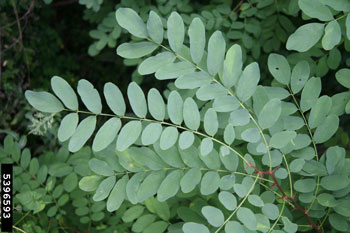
x=6, y=198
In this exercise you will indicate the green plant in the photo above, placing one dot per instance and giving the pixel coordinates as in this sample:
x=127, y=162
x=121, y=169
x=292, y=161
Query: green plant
x=248, y=152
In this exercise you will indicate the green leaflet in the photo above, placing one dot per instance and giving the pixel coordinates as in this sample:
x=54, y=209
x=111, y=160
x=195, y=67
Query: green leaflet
x=151, y=133
x=175, y=107
x=44, y=101
x=142, y=222
x=255, y=200
x=156, y=104
x=339, y=5
x=300, y=75
x=327, y=129
x=150, y=185
x=305, y=185
x=247, y=217
x=342, y=208
x=174, y=70
x=206, y=146
x=310, y=93
x=211, y=123
x=186, y=140
x=100, y=167
x=196, y=33
x=339, y=102
x=334, y=182
x=338, y=222
x=305, y=37
x=347, y=108
x=155, y=27
x=232, y=66
x=229, y=134
x=128, y=135
x=90, y=97
x=233, y=227
x=133, y=213
x=210, y=183
x=211, y=160
x=135, y=50
x=225, y=104
x=191, y=227
x=281, y=139
x=168, y=137
x=279, y=68
x=82, y=134
x=190, y=180
x=104, y=188
x=251, y=135
x=210, y=91
x=133, y=186
x=114, y=99
x=90, y=183
x=152, y=64
x=347, y=24
x=191, y=114
x=159, y=208
x=343, y=77
x=289, y=227
x=170, y=156
x=170, y=185
x=270, y=113
x=332, y=35
x=67, y=127
x=193, y=80
x=70, y=182
x=137, y=100
x=106, y=134
x=228, y=200
x=320, y=111
x=176, y=31
x=216, y=52
x=296, y=165
x=127, y=18
x=214, y=216
x=146, y=158
x=335, y=159
x=239, y=117
x=315, y=9
x=190, y=157
x=156, y=227
x=271, y=211
x=326, y=199
x=248, y=81
x=65, y=92
x=117, y=195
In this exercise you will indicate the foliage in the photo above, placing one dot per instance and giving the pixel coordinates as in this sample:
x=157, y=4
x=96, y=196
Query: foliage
x=221, y=152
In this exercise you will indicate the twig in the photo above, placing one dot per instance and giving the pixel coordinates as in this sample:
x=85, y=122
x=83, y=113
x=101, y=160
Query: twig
x=18, y=24
x=285, y=197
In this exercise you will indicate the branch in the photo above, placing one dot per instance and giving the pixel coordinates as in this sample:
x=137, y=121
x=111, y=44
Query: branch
x=285, y=197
